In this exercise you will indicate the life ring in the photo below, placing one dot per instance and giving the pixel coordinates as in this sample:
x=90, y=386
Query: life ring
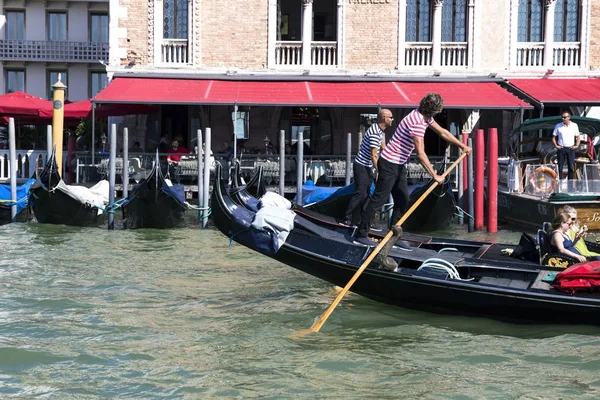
x=536, y=183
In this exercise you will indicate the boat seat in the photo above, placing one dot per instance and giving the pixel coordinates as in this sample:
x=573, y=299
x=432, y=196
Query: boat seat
x=550, y=257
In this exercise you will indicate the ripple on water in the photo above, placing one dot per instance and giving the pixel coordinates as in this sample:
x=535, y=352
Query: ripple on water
x=88, y=313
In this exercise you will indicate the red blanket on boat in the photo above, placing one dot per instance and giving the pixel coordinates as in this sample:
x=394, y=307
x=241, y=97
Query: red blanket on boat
x=579, y=277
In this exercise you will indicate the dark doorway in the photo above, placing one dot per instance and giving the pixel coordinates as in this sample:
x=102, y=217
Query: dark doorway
x=175, y=122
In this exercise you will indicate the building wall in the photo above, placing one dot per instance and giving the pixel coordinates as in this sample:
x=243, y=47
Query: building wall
x=135, y=31
x=595, y=36
x=234, y=36
x=371, y=36
x=494, y=34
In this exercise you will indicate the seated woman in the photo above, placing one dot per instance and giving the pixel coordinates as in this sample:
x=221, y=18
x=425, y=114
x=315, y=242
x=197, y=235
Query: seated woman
x=561, y=240
x=578, y=234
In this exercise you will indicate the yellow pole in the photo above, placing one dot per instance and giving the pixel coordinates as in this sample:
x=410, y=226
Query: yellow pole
x=58, y=113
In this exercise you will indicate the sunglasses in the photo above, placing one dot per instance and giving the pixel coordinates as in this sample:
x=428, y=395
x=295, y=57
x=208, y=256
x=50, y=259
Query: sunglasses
x=565, y=117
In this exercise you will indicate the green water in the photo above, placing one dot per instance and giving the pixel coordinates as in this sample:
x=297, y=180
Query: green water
x=93, y=314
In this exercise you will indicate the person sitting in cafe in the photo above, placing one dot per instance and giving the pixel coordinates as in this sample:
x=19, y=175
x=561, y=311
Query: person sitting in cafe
x=561, y=241
x=176, y=151
x=137, y=148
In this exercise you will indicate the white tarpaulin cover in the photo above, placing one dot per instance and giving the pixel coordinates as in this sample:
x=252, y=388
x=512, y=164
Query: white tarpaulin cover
x=97, y=195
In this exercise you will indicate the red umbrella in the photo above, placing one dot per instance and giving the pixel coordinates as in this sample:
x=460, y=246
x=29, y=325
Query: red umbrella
x=19, y=103
x=83, y=109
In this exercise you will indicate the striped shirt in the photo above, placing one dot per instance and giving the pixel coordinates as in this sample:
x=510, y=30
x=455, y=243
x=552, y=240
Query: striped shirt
x=373, y=138
x=402, y=144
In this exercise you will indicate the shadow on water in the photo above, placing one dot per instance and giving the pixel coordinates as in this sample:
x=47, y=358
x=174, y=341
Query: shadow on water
x=362, y=313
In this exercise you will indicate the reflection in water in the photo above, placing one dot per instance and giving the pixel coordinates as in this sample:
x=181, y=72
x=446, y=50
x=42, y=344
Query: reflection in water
x=90, y=313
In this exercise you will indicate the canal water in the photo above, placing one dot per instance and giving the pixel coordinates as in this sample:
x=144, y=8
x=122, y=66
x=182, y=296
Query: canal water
x=87, y=313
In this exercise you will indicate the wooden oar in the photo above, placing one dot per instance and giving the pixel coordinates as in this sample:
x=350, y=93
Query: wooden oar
x=317, y=325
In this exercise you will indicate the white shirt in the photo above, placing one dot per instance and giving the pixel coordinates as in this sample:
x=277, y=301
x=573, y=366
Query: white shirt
x=566, y=135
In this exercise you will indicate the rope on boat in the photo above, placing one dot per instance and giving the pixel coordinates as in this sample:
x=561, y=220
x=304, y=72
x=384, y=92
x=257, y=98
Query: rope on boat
x=462, y=211
x=444, y=265
x=111, y=208
x=193, y=207
x=12, y=203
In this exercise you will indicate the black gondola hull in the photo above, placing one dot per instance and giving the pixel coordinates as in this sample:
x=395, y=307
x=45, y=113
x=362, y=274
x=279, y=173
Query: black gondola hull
x=336, y=262
x=154, y=204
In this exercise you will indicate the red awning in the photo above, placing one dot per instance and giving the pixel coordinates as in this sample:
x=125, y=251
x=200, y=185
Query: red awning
x=560, y=91
x=474, y=95
x=19, y=103
x=83, y=109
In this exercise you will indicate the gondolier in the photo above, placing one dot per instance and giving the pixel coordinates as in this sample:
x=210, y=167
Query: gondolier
x=566, y=140
x=392, y=178
x=365, y=161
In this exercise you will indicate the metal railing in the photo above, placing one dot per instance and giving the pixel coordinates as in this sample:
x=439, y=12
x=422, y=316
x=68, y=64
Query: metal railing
x=47, y=50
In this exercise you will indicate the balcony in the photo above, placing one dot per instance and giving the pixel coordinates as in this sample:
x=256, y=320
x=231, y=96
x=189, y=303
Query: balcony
x=322, y=54
x=564, y=54
x=567, y=54
x=49, y=51
x=530, y=54
x=420, y=54
x=174, y=52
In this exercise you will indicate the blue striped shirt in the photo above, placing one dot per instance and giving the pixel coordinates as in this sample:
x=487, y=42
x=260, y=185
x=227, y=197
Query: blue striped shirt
x=373, y=138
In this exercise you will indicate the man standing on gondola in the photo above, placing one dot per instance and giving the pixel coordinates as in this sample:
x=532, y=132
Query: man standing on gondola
x=365, y=161
x=393, y=177
x=566, y=140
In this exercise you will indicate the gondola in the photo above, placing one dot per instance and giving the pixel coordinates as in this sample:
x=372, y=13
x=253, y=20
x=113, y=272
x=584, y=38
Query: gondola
x=429, y=280
x=526, y=250
x=54, y=202
x=21, y=203
x=155, y=203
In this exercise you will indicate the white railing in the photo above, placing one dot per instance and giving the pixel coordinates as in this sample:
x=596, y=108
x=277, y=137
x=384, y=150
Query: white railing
x=288, y=53
x=174, y=51
x=46, y=50
x=26, y=163
x=567, y=54
x=323, y=54
x=530, y=54
x=454, y=54
x=418, y=54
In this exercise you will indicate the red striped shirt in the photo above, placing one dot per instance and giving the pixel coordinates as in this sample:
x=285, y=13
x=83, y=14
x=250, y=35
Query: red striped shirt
x=402, y=144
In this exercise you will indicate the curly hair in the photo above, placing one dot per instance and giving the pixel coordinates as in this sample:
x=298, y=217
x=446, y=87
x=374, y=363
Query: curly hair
x=431, y=104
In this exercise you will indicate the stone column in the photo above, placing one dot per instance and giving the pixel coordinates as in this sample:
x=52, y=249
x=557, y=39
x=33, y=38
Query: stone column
x=401, y=62
x=549, y=33
x=307, y=27
x=272, y=33
x=341, y=26
x=471, y=20
x=436, y=33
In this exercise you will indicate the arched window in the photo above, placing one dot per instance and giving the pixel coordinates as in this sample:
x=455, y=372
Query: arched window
x=418, y=14
x=530, y=23
x=454, y=21
x=175, y=19
x=566, y=21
